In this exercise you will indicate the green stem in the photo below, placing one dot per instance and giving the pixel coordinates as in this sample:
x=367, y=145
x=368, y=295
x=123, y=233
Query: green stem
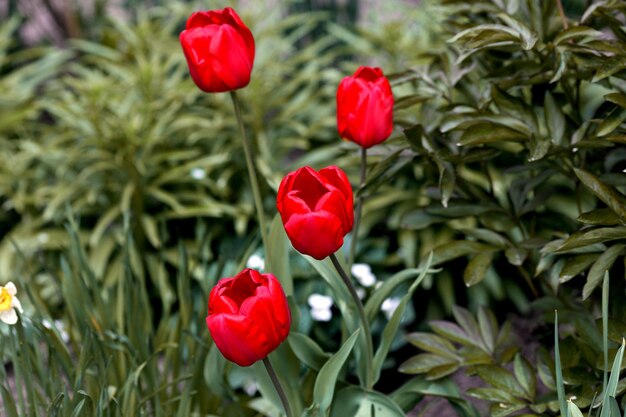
x=279, y=388
x=367, y=333
x=254, y=181
x=359, y=208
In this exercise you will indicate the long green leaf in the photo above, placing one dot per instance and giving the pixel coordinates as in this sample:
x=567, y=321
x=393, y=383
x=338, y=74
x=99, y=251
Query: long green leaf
x=324, y=388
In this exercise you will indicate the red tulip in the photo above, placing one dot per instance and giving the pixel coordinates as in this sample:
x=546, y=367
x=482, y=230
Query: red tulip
x=248, y=316
x=365, y=107
x=219, y=49
x=316, y=209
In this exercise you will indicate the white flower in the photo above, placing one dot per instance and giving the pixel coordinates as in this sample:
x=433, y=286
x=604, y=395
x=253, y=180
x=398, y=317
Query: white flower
x=321, y=314
x=9, y=303
x=250, y=387
x=256, y=262
x=363, y=274
x=320, y=307
x=198, y=174
x=389, y=306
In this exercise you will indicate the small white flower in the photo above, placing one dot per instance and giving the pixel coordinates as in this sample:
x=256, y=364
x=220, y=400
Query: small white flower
x=363, y=274
x=9, y=303
x=43, y=238
x=320, y=307
x=198, y=174
x=389, y=306
x=256, y=262
x=321, y=314
x=250, y=387
x=320, y=301
x=360, y=292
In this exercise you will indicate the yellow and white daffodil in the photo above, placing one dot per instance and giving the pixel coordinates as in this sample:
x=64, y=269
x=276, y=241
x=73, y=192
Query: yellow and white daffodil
x=9, y=303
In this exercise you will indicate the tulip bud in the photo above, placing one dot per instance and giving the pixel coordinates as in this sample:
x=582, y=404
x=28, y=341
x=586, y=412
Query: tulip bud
x=219, y=49
x=248, y=316
x=317, y=209
x=365, y=107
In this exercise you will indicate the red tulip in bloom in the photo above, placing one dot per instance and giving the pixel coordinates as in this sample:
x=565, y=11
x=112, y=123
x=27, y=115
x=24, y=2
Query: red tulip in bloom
x=248, y=316
x=316, y=209
x=365, y=107
x=219, y=49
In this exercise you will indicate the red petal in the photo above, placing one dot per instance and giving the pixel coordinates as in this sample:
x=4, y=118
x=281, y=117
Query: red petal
x=238, y=338
x=317, y=234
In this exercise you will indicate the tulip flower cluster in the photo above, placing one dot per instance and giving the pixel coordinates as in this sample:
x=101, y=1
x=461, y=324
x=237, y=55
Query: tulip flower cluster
x=249, y=315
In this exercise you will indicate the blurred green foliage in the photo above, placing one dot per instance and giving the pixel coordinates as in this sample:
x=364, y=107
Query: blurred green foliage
x=519, y=156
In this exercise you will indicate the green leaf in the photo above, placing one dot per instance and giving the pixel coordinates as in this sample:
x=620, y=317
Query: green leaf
x=488, y=328
x=525, y=375
x=376, y=299
x=425, y=362
x=493, y=395
x=455, y=249
x=589, y=237
x=278, y=254
x=390, y=330
x=356, y=402
x=501, y=378
x=611, y=122
x=600, y=217
x=555, y=120
x=560, y=388
x=609, y=195
x=477, y=268
x=214, y=378
x=307, y=350
x=613, y=407
x=575, y=32
x=8, y=402
x=325, y=383
x=604, y=262
x=611, y=388
x=489, y=133
x=617, y=98
x=432, y=343
x=539, y=147
x=469, y=324
x=528, y=37
x=573, y=410
x=453, y=332
x=577, y=265
x=611, y=67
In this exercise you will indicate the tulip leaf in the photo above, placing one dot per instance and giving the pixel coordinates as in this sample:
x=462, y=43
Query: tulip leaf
x=326, y=379
x=389, y=333
x=9, y=403
x=345, y=303
x=357, y=402
x=611, y=388
x=376, y=299
x=307, y=350
x=278, y=255
x=214, y=373
x=573, y=410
